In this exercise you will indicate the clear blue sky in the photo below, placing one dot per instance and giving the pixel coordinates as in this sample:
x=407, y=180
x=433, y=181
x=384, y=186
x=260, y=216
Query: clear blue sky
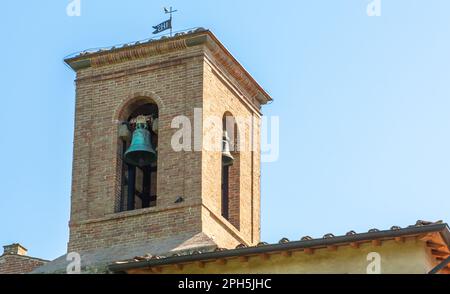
x=364, y=106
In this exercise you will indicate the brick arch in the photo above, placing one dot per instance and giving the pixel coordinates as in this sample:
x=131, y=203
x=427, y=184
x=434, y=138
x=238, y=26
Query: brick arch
x=134, y=100
x=234, y=175
x=235, y=133
x=121, y=113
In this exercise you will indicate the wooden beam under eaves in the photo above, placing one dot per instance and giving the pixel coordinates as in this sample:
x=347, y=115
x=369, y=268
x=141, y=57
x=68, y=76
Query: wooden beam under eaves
x=434, y=245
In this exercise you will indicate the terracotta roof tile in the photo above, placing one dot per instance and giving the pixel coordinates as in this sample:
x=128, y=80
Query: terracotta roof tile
x=220, y=249
x=283, y=241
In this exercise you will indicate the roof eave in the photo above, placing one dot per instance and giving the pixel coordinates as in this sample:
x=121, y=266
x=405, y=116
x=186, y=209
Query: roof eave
x=443, y=229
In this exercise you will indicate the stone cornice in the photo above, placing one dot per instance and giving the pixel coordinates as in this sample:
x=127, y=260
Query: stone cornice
x=134, y=213
x=218, y=54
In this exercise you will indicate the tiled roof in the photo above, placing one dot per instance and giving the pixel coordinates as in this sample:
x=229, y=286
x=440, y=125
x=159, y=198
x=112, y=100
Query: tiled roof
x=24, y=257
x=306, y=243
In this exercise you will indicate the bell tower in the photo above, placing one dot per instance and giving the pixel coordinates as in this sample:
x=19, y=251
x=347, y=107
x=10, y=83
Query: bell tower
x=133, y=191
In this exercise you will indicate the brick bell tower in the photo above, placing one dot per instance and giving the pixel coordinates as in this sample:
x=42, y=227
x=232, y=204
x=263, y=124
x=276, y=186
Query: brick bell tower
x=184, y=199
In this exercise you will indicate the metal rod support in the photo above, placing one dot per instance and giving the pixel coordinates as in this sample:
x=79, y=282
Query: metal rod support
x=131, y=187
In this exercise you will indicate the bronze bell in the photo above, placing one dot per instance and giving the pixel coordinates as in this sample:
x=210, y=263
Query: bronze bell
x=141, y=152
x=227, y=158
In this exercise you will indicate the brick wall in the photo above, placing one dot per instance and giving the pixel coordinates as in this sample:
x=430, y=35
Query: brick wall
x=221, y=98
x=103, y=100
x=234, y=190
x=18, y=264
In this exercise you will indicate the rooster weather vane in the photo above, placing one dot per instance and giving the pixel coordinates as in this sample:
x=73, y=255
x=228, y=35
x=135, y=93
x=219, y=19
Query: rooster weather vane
x=165, y=25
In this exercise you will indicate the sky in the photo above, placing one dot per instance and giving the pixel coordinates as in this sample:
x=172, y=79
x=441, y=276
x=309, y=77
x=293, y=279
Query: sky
x=363, y=104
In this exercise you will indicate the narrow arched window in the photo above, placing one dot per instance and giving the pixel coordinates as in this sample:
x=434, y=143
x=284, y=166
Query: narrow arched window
x=138, y=158
x=230, y=183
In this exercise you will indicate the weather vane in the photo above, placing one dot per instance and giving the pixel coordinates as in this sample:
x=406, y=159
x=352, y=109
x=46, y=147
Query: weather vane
x=165, y=25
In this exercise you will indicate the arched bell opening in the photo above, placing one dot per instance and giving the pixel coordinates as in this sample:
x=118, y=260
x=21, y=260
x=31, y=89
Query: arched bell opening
x=230, y=188
x=138, y=140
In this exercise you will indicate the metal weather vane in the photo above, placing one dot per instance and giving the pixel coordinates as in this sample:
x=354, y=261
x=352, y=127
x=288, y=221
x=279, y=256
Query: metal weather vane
x=165, y=25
